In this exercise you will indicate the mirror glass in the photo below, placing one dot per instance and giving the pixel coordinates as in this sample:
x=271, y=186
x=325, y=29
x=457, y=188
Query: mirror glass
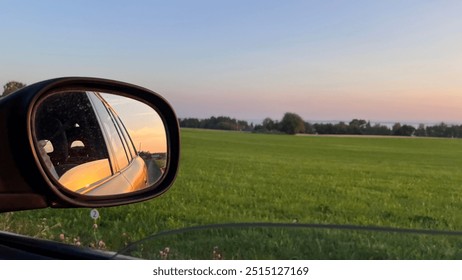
x=96, y=143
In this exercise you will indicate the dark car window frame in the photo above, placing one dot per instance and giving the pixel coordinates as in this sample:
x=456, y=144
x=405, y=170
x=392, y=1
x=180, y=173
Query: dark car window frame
x=98, y=105
x=130, y=144
x=122, y=133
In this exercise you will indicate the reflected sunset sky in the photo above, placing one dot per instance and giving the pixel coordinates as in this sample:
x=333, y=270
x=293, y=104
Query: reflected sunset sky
x=144, y=125
x=324, y=60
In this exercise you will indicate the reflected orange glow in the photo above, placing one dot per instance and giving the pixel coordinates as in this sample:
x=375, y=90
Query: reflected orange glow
x=149, y=139
x=94, y=171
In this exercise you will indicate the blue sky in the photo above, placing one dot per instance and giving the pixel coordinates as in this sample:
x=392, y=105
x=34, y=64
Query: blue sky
x=325, y=60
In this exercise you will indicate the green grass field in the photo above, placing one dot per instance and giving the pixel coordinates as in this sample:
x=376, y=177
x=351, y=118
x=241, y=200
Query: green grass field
x=241, y=177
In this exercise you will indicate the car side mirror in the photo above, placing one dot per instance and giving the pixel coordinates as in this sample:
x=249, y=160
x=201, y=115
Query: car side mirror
x=85, y=142
x=89, y=148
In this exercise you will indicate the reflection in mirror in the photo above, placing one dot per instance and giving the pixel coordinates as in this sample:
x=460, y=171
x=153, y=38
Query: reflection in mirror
x=97, y=143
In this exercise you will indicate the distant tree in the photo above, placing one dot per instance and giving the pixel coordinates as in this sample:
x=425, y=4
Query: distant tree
x=309, y=128
x=403, y=130
x=222, y=122
x=357, y=126
x=421, y=130
x=341, y=128
x=457, y=131
x=190, y=122
x=324, y=128
x=378, y=129
x=439, y=130
x=268, y=124
x=395, y=129
x=11, y=86
x=243, y=125
x=259, y=128
x=292, y=123
x=407, y=130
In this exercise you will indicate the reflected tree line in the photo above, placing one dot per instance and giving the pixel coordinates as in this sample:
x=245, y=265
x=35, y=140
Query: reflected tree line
x=292, y=123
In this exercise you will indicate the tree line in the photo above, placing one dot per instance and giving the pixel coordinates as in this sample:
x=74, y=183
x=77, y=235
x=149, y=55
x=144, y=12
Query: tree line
x=363, y=127
x=221, y=123
x=292, y=123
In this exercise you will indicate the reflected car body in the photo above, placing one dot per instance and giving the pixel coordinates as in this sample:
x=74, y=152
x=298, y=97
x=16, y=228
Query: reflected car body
x=132, y=178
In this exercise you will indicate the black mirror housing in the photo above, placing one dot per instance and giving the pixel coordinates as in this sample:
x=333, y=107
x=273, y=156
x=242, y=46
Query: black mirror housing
x=25, y=183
